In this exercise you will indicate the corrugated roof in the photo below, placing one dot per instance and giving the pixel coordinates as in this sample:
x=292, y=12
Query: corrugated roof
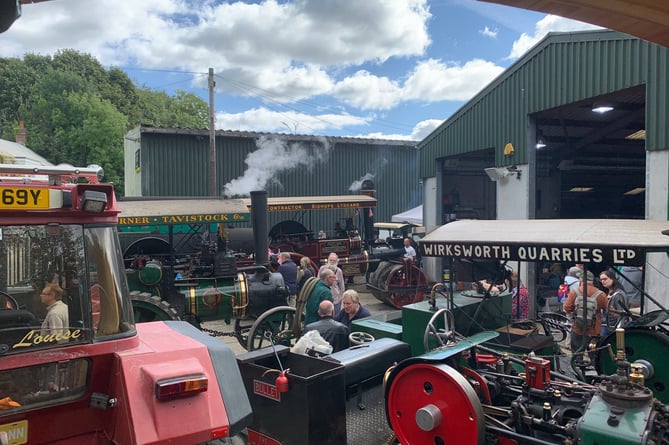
x=291, y=137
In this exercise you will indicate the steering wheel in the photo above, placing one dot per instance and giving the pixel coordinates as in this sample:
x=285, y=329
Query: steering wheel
x=556, y=325
x=650, y=319
x=444, y=336
x=358, y=338
x=8, y=302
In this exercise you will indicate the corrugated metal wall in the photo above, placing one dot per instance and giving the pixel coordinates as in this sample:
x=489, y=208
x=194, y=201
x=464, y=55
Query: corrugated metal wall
x=563, y=68
x=175, y=163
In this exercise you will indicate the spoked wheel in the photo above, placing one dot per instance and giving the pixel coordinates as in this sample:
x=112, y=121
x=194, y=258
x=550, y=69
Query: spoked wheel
x=151, y=308
x=242, y=328
x=273, y=326
x=443, y=337
x=556, y=325
x=8, y=302
x=398, y=284
x=357, y=338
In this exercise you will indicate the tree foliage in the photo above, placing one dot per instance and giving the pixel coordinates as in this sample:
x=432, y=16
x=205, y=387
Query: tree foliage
x=77, y=112
x=183, y=110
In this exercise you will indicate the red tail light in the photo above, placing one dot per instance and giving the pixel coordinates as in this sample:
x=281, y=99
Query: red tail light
x=178, y=387
x=220, y=433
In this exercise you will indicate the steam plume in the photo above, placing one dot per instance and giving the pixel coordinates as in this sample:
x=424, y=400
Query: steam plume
x=357, y=185
x=273, y=156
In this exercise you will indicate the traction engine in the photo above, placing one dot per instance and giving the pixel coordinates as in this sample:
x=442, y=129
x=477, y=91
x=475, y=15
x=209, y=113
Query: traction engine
x=463, y=392
x=214, y=283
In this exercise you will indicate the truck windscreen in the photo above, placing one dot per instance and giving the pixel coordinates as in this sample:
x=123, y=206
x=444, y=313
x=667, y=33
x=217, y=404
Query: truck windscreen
x=61, y=286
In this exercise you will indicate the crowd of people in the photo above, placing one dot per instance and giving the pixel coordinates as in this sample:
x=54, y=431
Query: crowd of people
x=606, y=299
x=329, y=307
x=597, y=304
x=611, y=298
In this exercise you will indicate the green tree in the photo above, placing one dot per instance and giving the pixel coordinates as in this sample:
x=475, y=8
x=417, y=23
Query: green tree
x=113, y=84
x=69, y=124
x=184, y=110
x=77, y=112
x=120, y=91
x=16, y=78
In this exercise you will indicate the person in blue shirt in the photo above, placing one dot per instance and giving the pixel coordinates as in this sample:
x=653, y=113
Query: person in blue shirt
x=351, y=308
x=288, y=270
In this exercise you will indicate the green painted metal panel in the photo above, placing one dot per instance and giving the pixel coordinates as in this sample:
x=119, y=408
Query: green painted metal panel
x=493, y=313
x=175, y=163
x=596, y=428
x=562, y=68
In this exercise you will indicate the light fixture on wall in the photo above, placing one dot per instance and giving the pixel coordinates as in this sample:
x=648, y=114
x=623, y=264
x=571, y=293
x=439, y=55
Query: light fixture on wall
x=602, y=107
x=497, y=173
x=540, y=139
x=514, y=170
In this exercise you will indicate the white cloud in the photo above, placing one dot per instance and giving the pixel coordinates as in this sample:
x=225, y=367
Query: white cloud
x=280, y=47
x=419, y=132
x=430, y=81
x=279, y=52
x=364, y=90
x=489, y=32
x=422, y=129
x=434, y=81
x=550, y=23
x=262, y=119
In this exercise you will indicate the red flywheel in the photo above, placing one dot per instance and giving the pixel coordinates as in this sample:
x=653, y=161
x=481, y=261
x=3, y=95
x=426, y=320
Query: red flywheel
x=434, y=404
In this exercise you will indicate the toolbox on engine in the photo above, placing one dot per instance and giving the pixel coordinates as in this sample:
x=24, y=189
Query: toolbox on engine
x=312, y=411
x=369, y=360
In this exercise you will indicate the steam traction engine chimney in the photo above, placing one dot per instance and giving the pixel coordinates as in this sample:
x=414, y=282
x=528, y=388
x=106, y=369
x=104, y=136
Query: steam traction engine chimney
x=367, y=188
x=259, y=221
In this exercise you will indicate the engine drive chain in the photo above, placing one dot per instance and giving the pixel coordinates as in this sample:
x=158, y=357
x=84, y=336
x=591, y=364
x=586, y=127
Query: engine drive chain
x=215, y=333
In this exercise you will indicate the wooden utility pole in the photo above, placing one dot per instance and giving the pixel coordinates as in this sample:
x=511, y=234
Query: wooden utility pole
x=212, y=137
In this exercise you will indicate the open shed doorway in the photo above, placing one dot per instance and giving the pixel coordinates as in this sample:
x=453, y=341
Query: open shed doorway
x=467, y=193
x=590, y=164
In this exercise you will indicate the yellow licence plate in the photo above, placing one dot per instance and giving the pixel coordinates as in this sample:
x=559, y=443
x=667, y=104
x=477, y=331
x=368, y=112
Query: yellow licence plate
x=17, y=432
x=24, y=198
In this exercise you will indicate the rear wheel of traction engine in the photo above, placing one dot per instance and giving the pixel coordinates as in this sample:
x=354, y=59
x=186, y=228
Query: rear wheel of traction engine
x=275, y=323
x=414, y=401
x=242, y=328
x=147, y=307
x=398, y=284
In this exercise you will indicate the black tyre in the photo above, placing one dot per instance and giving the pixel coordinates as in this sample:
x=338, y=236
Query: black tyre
x=149, y=307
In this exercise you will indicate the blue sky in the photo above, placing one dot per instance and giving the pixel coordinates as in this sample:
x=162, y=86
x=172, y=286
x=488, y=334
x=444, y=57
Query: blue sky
x=362, y=68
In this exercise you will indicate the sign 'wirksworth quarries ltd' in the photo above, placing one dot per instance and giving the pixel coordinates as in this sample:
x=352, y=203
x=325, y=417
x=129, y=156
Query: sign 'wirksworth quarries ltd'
x=529, y=252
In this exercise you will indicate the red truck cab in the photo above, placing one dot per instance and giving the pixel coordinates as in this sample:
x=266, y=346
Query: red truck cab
x=74, y=366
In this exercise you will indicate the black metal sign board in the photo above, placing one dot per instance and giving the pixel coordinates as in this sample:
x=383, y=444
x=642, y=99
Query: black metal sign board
x=609, y=242
x=593, y=254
